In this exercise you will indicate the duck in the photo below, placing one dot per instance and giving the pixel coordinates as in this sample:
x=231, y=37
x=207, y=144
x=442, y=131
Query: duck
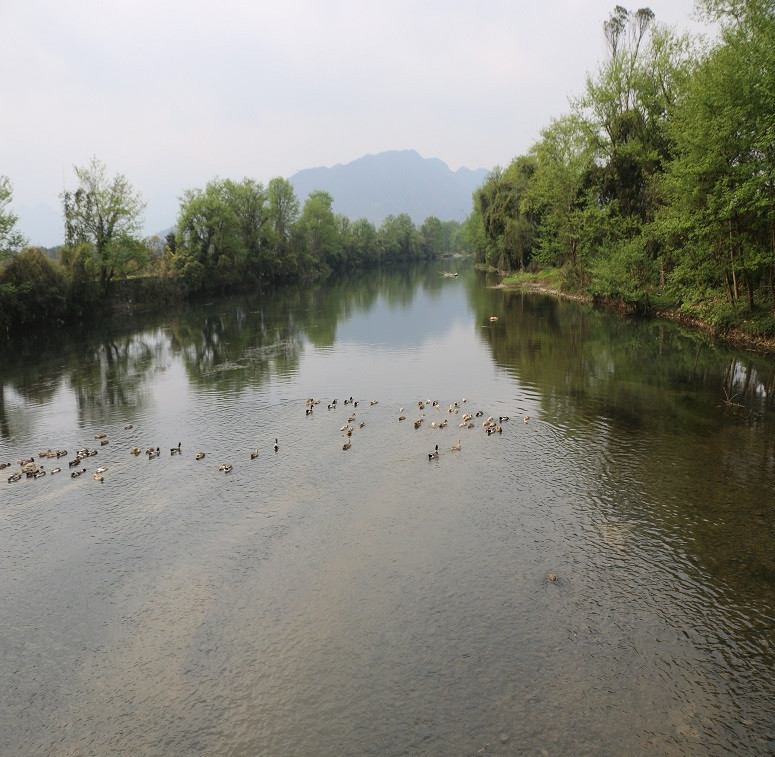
x=55, y=470
x=39, y=473
x=276, y=445
x=103, y=442
x=479, y=413
x=226, y=468
x=347, y=445
x=433, y=455
x=153, y=453
x=361, y=424
x=527, y=419
x=99, y=477
x=101, y=469
x=351, y=418
x=308, y=411
x=493, y=318
x=100, y=436
x=200, y=455
x=93, y=452
x=149, y=450
x=418, y=422
x=175, y=450
x=75, y=462
x=443, y=424
x=401, y=417
x=77, y=473
x=135, y=451
x=3, y=466
x=128, y=427
x=503, y=418
x=14, y=477
x=61, y=453
x=254, y=454
x=374, y=402
x=456, y=447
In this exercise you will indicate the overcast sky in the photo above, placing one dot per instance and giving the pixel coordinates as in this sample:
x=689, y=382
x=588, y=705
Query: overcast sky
x=173, y=93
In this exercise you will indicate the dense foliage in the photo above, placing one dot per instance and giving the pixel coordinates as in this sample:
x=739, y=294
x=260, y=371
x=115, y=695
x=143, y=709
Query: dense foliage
x=659, y=187
x=229, y=236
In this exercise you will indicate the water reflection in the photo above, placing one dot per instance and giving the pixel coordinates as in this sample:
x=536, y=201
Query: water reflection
x=317, y=601
x=675, y=434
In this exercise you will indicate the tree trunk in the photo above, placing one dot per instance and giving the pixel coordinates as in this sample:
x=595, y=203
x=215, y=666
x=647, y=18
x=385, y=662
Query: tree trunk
x=729, y=286
x=732, y=262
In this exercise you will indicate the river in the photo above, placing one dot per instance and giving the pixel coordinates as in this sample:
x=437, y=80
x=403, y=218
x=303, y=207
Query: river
x=596, y=578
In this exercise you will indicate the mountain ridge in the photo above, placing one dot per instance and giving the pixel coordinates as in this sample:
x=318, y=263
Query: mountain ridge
x=393, y=182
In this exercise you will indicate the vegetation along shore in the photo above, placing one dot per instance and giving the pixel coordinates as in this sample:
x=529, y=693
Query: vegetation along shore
x=656, y=192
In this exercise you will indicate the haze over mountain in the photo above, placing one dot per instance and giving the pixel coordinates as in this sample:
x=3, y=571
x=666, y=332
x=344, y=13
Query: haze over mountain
x=393, y=182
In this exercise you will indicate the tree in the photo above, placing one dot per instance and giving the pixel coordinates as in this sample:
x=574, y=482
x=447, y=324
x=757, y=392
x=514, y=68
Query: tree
x=32, y=290
x=508, y=221
x=11, y=240
x=283, y=214
x=720, y=188
x=432, y=232
x=399, y=240
x=317, y=231
x=562, y=157
x=107, y=214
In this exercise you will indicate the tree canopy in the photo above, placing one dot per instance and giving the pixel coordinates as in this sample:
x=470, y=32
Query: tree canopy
x=659, y=185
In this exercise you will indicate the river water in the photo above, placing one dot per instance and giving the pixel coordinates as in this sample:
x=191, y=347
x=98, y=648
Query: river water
x=597, y=580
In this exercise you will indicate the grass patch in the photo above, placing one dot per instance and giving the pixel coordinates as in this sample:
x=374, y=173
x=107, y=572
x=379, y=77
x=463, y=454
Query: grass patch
x=549, y=278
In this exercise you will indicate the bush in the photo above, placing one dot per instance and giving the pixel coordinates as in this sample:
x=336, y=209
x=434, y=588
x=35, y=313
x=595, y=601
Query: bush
x=33, y=290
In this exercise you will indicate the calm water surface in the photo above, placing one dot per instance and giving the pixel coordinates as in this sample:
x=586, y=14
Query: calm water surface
x=372, y=601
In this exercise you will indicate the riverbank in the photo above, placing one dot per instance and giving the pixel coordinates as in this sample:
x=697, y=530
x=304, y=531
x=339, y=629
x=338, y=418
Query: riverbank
x=549, y=284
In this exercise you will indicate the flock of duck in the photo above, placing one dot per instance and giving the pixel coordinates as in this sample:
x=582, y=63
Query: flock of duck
x=31, y=467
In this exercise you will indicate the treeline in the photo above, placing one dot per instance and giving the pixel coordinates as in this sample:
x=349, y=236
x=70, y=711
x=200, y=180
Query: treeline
x=230, y=236
x=658, y=188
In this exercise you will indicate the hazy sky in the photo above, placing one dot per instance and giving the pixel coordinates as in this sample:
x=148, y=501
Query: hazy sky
x=173, y=93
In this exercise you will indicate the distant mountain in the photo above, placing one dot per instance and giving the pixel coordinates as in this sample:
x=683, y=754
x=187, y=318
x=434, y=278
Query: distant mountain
x=393, y=182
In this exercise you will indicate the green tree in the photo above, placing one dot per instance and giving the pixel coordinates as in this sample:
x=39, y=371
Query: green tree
x=283, y=213
x=720, y=216
x=107, y=214
x=317, y=232
x=32, y=290
x=11, y=239
x=399, y=239
x=556, y=193
x=508, y=220
x=432, y=232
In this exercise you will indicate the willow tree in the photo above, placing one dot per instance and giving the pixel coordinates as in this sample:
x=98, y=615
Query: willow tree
x=107, y=214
